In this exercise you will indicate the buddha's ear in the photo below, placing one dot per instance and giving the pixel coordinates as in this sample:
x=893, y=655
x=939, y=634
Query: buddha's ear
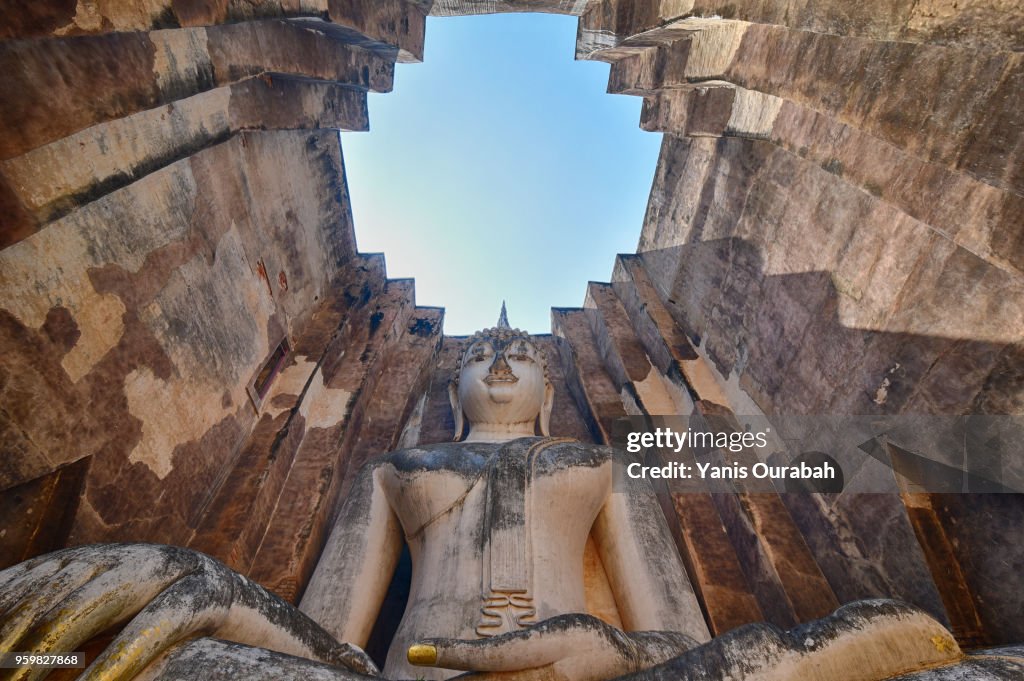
x=453, y=398
x=545, y=410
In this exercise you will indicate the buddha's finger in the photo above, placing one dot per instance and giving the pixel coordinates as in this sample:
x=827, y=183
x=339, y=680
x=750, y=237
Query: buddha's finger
x=18, y=581
x=357, y=660
x=545, y=673
x=195, y=605
x=14, y=575
x=107, y=600
x=35, y=575
x=585, y=665
x=540, y=645
x=34, y=594
x=211, y=659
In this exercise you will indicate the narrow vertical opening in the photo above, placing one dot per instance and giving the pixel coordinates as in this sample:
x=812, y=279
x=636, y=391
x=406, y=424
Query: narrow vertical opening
x=260, y=385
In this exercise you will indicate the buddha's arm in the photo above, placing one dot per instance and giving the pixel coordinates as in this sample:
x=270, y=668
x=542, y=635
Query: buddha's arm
x=352, y=577
x=643, y=566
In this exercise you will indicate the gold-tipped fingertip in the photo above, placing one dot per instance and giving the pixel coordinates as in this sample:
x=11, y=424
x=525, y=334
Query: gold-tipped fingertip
x=422, y=655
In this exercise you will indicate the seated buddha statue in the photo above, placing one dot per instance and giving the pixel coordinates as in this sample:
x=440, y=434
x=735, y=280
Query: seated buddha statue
x=497, y=524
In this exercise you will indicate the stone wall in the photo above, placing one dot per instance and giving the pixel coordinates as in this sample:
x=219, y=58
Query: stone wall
x=174, y=209
x=836, y=226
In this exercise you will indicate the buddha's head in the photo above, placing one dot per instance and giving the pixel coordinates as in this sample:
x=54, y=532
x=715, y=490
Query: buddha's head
x=501, y=387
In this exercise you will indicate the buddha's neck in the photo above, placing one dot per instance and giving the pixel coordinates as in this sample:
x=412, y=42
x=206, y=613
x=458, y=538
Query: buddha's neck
x=499, y=432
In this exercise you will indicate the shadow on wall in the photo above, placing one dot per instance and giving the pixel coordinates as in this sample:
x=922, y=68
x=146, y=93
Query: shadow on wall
x=781, y=338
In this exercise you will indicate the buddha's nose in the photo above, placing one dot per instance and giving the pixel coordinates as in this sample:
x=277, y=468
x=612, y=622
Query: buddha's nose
x=500, y=368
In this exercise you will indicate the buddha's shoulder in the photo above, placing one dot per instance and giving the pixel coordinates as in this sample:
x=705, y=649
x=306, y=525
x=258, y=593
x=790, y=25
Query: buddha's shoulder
x=554, y=453
x=469, y=457
x=462, y=457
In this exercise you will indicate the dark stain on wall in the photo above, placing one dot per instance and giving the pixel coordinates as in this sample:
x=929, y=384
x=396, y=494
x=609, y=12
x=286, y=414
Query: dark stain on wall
x=27, y=17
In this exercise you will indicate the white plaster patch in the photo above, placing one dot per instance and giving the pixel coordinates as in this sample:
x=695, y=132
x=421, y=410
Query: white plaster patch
x=172, y=413
x=753, y=114
x=711, y=385
x=324, y=407
x=589, y=41
x=137, y=15
x=101, y=321
x=40, y=272
x=178, y=55
x=315, y=7
x=94, y=155
x=715, y=44
x=670, y=9
x=882, y=394
x=705, y=380
x=657, y=398
x=237, y=313
x=87, y=18
x=291, y=381
x=411, y=432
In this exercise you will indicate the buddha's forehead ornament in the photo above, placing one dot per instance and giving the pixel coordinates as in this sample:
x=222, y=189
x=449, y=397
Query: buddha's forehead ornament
x=502, y=338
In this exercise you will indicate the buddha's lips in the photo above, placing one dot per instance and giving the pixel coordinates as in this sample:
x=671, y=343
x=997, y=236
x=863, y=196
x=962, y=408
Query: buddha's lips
x=490, y=380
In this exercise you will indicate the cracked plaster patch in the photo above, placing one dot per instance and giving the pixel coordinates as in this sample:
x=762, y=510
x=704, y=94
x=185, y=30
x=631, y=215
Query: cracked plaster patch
x=324, y=407
x=291, y=381
x=172, y=414
x=659, y=398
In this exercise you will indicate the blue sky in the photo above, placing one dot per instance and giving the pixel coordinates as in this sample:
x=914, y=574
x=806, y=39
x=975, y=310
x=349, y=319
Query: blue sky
x=499, y=169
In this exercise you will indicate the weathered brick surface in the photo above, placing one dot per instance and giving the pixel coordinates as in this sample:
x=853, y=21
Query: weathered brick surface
x=590, y=385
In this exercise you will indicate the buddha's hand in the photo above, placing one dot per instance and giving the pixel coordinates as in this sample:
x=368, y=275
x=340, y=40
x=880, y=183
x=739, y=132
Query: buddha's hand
x=573, y=647
x=162, y=595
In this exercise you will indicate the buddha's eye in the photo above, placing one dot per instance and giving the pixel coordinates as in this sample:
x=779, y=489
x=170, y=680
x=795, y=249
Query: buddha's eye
x=521, y=358
x=479, y=358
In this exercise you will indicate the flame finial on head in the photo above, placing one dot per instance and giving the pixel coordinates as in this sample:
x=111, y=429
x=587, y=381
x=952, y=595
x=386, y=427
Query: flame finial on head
x=501, y=334
x=503, y=318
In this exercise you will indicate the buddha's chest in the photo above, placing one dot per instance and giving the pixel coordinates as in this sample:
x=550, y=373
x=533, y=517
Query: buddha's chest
x=488, y=487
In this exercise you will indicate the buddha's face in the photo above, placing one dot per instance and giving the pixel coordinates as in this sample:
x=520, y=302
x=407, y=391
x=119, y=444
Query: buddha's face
x=502, y=382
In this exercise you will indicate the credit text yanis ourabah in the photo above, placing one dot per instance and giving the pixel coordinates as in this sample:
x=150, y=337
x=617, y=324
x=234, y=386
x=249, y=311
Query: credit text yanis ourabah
x=734, y=441
x=734, y=471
